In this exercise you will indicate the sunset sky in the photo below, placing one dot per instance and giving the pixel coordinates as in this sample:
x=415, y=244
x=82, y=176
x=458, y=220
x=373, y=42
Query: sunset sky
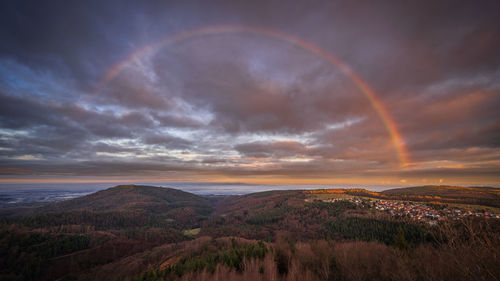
x=334, y=92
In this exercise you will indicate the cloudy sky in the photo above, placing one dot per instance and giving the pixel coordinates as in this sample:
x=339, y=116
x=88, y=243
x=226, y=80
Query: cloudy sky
x=340, y=92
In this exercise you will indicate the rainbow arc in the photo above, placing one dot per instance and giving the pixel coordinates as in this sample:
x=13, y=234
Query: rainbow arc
x=375, y=101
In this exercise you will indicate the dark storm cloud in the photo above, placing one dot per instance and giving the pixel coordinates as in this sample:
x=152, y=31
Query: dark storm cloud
x=29, y=114
x=167, y=141
x=402, y=45
x=243, y=103
x=133, y=93
x=176, y=121
x=487, y=136
x=461, y=120
x=248, y=104
x=82, y=39
x=104, y=147
x=18, y=113
x=212, y=160
x=91, y=168
x=52, y=129
x=276, y=148
x=54, y=36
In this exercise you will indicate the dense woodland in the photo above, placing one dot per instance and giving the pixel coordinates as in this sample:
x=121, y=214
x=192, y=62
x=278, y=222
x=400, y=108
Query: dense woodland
x=150, y=233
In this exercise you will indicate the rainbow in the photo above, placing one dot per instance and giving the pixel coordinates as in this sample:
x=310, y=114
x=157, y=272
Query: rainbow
x=397, y=139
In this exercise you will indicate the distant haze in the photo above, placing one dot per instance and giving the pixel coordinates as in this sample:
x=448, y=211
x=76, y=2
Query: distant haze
x=26, y=194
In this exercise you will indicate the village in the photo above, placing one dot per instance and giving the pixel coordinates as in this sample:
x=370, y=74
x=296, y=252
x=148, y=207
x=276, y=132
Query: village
x=415, y=210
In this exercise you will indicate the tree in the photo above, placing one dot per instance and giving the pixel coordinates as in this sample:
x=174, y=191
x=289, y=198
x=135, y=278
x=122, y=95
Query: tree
x=400, y=240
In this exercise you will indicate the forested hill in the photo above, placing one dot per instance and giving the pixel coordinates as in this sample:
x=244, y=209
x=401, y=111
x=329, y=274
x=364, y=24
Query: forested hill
x=58, y=239
x=447, y=191
x=480, y=195
x=152, y=233
x=487, y=196
x=131, y=197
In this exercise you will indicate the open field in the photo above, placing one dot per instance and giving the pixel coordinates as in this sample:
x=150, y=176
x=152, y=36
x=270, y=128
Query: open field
x=191, y=232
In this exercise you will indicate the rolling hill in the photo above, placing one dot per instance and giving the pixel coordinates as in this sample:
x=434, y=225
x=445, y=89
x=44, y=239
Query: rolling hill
x=447, y=191
x=482, y=196
x=133, y=232
x=150, y=199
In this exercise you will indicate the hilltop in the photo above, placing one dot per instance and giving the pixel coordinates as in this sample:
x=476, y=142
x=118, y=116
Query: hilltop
x=123, y=198
x=478, y=195
x=132, y=198
x=447, y=191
